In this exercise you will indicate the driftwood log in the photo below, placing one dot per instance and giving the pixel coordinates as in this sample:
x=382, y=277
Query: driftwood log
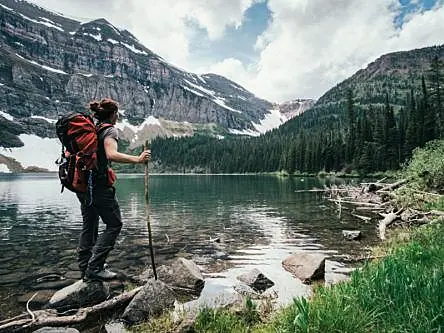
x=33, y=320
x=374, y=199
x=383, y=224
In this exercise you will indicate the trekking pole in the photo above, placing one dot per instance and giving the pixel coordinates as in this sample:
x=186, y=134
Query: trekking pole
x=147, y=212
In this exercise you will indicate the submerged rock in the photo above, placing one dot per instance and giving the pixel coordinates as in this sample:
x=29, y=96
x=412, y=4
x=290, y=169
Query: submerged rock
x=306, y=266
x=351, y=234
x=79, y=294
x=154, y=298
x=256, y=280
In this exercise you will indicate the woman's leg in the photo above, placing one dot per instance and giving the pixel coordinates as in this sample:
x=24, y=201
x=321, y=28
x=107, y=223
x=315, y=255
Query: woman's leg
x=88, y=235
x=107, y=207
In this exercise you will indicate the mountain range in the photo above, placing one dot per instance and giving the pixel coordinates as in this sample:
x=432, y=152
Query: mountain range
x=51, y=65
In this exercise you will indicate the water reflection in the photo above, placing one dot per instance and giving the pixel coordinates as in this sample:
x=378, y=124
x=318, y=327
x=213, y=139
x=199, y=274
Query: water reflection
x=259, y=220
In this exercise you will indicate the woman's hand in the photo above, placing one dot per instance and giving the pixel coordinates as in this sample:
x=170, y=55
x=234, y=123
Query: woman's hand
x=144, y=156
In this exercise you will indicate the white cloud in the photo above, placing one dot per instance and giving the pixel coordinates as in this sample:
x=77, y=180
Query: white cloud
x=312, y=45
x=162, y=26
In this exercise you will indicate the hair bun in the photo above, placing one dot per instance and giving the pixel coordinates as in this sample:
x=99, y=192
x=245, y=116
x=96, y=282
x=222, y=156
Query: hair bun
x=95, y=106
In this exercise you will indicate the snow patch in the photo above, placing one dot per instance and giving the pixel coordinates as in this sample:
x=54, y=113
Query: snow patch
x=96, y=37
x=243, y=132
x=238, y=88
x=149, y=121
x=272, y=120
x=2, y=84
x=134, y=49
x=55, y=70
x=6, y=115
x=241, y=97
x=110, y=76
x=72, y=32
x=37, y=151
x=193, y=91
x=19, y=44
x=4, y=169
x=7, y=8
x=112, y=41
x=218, y=100
x=202, y=79
x=51, y=121
x=87, y=75
x=114, y=28
x=220, y=137
x=50, y=25
x=204, y=90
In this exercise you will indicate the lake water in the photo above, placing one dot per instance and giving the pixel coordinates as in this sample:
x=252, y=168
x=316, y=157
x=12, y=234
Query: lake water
x=259, y=220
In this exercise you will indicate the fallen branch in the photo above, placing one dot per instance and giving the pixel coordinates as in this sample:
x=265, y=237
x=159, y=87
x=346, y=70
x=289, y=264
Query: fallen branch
x=437, y=212
x=51, y=317
x=392, y=186
x=359, y=203
x=28, y=309
x=364, y=218
x=383, y=224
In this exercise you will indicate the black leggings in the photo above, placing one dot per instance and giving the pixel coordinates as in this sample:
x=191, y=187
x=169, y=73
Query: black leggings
x=93, y=249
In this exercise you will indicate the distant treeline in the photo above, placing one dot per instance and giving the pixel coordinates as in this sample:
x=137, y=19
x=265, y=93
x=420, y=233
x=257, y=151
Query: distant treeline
x=343, y=136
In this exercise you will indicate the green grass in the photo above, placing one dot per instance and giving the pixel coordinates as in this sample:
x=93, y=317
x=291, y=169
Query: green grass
x=402, y=293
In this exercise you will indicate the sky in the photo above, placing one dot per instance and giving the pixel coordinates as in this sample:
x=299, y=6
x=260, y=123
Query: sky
x=278, y=49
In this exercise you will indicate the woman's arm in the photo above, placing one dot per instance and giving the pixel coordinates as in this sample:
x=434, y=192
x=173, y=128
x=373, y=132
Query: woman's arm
x=113, y=155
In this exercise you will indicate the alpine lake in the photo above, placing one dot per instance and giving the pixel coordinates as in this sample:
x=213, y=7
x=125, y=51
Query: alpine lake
x=226, y=224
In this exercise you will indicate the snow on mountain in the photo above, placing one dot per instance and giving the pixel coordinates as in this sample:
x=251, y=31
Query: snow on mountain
x=272, y=120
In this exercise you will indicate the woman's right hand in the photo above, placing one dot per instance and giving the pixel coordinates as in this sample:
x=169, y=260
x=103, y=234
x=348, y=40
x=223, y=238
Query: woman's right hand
x=144, y=156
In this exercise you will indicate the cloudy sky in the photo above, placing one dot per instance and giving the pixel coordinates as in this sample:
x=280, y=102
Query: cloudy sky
x=278, y=49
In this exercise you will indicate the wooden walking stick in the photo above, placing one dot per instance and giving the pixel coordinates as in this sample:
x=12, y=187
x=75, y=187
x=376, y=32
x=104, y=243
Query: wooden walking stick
x=147, y=212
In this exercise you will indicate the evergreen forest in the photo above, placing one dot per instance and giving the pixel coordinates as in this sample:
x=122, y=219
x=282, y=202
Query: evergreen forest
x=361, y=126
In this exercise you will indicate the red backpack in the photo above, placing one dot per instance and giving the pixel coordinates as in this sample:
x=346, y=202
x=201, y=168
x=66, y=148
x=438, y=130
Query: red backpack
x=79, y=137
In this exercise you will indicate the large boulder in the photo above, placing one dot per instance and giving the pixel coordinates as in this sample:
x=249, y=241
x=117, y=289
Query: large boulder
x=256, y=280
x=154, y=298
x=306, y=266
x=182, y=274
x=79, y=294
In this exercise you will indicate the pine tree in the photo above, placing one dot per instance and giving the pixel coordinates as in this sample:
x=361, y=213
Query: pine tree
x=436, y=78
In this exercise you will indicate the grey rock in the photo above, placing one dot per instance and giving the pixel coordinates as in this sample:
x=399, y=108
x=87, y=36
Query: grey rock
x=182, y=274
x=56, y=330
x=116, y=327
x=79, y=294
x=351, y=234
x=306, y=266
x=245, y=290
x=154, y=298
x=256, y=280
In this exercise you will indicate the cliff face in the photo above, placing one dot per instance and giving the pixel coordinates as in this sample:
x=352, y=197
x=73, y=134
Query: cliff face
x=51, y=65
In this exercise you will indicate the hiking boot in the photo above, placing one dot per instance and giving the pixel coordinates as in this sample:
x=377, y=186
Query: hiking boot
x=83, y=271
x=101, y=275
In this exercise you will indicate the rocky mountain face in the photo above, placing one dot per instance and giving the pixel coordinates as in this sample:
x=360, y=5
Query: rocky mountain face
x=393, y=74
x=51, y=65
x=291, y=109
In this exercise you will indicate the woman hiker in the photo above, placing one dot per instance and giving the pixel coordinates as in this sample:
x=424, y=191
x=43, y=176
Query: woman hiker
x=94, y=249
